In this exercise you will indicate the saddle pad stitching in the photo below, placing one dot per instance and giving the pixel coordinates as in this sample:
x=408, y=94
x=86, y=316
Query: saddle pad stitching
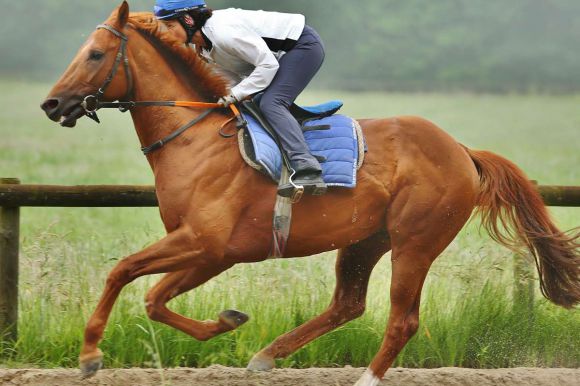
x=354, y=171
x=333, y=148
x=354, y=164
x=361, y=144
x=356, y=151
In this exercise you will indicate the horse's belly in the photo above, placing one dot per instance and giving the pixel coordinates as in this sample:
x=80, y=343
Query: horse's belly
x=326, y=225
x=319, y=224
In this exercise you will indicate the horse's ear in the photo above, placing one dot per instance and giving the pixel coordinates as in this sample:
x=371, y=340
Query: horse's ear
x=123, y=14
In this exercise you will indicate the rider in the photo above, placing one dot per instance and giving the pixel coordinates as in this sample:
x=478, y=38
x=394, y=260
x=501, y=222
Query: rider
x=269, y=51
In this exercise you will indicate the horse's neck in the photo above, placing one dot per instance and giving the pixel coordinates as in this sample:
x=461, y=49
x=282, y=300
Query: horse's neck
x=155, y=80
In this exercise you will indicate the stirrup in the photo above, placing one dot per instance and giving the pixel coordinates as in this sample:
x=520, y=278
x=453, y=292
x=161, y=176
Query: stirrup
x=295, y=192
x=291, y=190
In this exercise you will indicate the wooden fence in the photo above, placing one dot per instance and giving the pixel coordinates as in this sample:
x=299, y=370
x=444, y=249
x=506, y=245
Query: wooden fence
x=13, y=196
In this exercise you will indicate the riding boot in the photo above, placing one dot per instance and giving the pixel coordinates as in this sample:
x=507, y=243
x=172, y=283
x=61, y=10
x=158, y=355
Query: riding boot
x=310, y=180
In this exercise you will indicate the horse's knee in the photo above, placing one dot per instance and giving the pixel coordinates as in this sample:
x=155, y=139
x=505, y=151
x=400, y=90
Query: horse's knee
x=347, y=311
x=154, y=307
x=119, y=276
x=153, y=311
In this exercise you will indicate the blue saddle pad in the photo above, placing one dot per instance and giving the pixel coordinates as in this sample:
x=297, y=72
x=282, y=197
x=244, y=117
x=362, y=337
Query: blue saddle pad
x=339, y=146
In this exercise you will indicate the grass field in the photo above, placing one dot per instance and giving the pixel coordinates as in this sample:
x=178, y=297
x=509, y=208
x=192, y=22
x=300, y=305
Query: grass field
x=468, y=314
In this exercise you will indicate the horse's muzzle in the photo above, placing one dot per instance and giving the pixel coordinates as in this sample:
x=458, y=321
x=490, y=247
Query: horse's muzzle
x=51, y=108
x=66, y=111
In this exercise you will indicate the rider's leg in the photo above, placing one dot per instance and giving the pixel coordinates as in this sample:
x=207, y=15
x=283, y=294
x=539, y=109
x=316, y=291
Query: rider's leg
x=297, y=68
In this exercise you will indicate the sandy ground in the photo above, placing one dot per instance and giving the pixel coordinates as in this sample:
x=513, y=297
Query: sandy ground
x=222, y=376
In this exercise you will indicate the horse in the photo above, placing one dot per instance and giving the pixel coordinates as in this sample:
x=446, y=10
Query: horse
x=416, y=191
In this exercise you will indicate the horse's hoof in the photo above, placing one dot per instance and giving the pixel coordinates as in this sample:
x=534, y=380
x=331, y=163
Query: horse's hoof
x=261, y=362
x=90, y=365
x=234, y=319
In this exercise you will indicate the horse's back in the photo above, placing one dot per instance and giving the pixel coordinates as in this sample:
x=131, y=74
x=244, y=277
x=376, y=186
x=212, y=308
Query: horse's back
x=410, y=147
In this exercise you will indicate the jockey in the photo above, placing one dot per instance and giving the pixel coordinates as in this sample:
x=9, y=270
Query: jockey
x=267, y=51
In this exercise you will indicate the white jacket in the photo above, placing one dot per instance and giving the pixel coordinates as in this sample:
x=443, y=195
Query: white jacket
x=250, y=44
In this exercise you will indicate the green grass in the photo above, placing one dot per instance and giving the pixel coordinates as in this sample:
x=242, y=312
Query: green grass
x=468, y=313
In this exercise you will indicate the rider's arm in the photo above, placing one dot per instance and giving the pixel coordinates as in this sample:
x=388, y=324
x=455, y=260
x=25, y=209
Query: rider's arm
x=251, y=48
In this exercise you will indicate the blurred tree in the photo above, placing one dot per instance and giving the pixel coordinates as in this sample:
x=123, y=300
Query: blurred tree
x=445, y=45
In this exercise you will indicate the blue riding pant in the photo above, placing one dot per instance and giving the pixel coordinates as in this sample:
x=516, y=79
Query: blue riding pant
x=297, y=68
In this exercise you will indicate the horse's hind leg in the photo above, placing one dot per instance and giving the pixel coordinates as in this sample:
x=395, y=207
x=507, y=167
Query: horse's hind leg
x=176, y=283
x=408, y=277
x=353, y=269
x=421, y=227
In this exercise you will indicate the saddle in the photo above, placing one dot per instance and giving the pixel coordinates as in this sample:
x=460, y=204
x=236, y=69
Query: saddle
x=335, y=140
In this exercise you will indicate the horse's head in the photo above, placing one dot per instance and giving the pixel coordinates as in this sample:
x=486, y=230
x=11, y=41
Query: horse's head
x=89, y=72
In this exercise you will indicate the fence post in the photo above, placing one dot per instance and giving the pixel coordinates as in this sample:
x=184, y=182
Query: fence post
x=9, y=246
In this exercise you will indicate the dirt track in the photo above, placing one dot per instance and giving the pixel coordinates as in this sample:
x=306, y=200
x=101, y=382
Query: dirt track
x=222, y=376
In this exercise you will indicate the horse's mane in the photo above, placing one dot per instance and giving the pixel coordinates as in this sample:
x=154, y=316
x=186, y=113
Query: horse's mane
x=202, y=77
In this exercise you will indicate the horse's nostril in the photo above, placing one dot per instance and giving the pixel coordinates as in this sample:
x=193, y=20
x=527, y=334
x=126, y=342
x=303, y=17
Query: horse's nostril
x=50, y=104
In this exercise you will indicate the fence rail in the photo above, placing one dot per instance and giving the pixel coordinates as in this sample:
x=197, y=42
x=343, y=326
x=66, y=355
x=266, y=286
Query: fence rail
x=13, y=196
x=114, y=196
x=100, y=196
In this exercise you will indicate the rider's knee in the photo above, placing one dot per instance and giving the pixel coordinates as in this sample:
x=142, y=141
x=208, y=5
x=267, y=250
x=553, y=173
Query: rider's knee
x=273, y=104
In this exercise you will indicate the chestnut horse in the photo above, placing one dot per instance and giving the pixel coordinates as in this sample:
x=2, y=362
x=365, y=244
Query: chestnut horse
x=415, y=192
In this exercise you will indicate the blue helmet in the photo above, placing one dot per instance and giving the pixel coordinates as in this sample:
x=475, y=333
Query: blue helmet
x=169, y=9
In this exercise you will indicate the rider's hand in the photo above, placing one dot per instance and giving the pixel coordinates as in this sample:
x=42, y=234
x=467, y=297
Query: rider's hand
x=227, y=100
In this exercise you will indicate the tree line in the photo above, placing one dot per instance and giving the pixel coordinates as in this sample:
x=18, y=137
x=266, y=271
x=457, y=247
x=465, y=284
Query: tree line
x=387, y=45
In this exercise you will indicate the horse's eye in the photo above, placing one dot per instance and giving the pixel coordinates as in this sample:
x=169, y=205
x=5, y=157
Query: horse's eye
x=96, y=55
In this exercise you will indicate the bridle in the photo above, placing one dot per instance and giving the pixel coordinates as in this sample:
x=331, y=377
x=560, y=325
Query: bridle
x=93, y=102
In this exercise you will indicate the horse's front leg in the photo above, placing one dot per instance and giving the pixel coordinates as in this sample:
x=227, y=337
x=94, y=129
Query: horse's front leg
x=176, y=283
x=182, y=249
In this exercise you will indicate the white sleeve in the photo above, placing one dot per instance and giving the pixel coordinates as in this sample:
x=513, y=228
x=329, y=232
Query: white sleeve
x=251, y=48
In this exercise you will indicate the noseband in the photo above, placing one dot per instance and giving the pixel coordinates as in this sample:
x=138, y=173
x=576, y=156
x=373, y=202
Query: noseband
x=92, y=103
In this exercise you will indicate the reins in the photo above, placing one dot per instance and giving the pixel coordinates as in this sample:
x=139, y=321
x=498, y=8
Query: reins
x=92, y=103
x=159, y=144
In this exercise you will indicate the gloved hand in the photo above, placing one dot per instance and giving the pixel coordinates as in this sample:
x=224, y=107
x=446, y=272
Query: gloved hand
x=227, y=100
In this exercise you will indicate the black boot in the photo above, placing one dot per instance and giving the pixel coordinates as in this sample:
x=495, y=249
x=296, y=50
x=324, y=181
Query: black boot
x=311, y=180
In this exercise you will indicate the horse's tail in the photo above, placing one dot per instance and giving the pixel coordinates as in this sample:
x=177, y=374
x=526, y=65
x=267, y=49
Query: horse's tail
x=514, y=214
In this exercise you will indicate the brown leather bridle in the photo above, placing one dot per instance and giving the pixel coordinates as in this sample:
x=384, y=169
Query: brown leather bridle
x=92, y=102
